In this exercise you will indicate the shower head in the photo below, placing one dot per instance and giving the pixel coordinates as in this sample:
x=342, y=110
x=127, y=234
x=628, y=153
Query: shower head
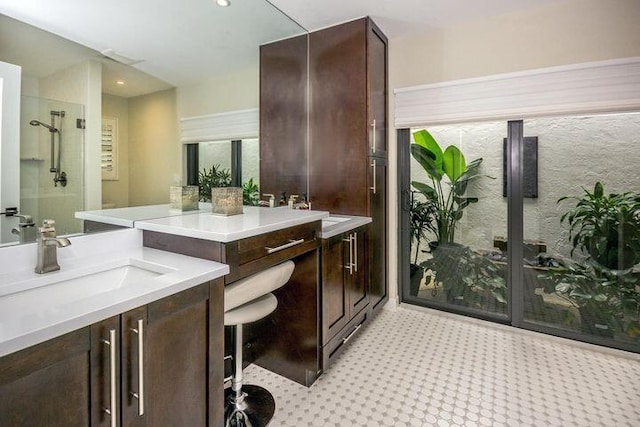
x=39, y=123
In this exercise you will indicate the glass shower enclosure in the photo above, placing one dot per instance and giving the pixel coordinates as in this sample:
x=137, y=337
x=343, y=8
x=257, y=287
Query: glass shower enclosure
x=51, y=166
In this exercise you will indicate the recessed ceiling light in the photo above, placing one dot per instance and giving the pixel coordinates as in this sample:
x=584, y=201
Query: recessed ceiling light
x=223, y=3
x=120, y=82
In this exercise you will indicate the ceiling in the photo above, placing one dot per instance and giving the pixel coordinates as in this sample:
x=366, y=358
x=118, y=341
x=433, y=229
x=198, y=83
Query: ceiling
x=181, y=45
x=400, y=17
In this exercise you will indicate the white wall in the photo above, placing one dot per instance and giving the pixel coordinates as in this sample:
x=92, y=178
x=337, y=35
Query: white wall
x=569, y=32
x=116, y=192
x=9, y=145
x=155, y=155
x=235, y=91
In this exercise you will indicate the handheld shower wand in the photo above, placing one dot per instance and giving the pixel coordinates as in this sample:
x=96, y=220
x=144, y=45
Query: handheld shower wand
x=59, y=177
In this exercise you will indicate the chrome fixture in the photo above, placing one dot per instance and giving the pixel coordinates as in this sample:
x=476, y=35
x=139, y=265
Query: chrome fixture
x=25, y=229
x=59, y=177
x=48, y=244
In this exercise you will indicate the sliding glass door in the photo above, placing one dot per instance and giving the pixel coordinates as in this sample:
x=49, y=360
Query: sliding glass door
x=458, y=216
x=559, y=196
x=582, y=231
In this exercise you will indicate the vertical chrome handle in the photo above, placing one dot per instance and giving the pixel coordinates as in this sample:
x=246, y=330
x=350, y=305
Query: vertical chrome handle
x=112, y=411
x=373, y=139
x=349, y=265
x=355, y=251
x=140, y=394
x=373, y=176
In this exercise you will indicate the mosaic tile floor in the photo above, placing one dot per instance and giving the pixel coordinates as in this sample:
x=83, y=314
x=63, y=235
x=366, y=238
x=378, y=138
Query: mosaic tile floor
x=424, y=368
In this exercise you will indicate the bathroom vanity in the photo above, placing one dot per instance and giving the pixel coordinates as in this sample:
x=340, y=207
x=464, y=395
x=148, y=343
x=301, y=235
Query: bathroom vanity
x=287, y=342
x=121, y=333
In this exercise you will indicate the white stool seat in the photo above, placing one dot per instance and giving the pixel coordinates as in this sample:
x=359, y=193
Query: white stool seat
x=257, y=285
x=251, y=311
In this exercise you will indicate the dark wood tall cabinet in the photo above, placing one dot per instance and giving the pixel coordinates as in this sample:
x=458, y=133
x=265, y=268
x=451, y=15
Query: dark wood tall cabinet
x=348, y=132
x=346, y=122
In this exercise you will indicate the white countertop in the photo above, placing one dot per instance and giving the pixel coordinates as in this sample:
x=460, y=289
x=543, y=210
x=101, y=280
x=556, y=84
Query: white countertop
x=126, y=217
x=254, y=221
x=338, y=224
x=37, y=307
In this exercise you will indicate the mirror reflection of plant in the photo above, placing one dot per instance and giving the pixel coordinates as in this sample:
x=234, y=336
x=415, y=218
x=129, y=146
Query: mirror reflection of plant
x=250, y=193
x=467, y=275
x=607, y=227
x=422, y=216
x=216, y=176
x=613, y=295
x=439, y=164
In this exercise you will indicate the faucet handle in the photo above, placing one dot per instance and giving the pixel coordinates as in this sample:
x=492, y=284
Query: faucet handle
x=47, y=226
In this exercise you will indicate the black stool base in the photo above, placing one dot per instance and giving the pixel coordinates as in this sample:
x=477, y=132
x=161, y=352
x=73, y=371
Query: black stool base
x=259, y=407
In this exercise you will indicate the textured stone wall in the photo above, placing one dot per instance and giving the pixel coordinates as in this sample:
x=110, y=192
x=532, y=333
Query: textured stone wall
x=573, y=152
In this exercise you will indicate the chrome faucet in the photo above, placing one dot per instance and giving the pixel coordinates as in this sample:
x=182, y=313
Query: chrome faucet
x=48, y=244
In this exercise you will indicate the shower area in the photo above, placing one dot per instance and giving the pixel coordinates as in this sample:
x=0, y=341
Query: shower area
x=51, y=166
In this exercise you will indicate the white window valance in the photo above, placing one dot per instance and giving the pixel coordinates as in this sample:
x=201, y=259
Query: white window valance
x=239, y=124
x=593, y=87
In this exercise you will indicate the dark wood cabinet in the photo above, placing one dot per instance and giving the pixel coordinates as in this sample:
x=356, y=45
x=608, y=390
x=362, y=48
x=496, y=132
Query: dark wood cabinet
x=165, y=379
x=348, y=133
x=287, y=341
x=47, y=384
x=344, y=286
x=156, y=365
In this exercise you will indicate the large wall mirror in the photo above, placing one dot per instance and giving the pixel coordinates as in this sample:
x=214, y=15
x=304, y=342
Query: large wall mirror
x=103, y=87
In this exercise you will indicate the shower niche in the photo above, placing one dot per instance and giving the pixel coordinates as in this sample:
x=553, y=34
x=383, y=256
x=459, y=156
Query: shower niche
x=51, y=162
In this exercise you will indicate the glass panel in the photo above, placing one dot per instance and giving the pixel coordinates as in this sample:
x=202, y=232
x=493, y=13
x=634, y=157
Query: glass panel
x=214, y=167
x=582, y=252
x=251, y=171
x=51, y=181
x=459, y=218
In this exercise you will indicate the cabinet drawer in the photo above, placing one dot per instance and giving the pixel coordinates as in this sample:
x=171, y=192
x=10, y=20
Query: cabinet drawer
x=335, y=346
x=256, y=253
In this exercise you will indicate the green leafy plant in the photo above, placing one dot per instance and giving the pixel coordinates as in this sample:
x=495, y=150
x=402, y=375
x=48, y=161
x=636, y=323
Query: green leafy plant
x=250, y=193
x=607, y=227
x=216, y=176
x=605, y=286
x=438, y=165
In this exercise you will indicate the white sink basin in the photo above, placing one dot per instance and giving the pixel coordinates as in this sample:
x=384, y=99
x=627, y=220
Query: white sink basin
x=333, y=220
x=107, y=276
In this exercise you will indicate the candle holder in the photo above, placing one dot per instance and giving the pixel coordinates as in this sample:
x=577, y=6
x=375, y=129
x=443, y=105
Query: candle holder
x=226, y=201
x=184, y=197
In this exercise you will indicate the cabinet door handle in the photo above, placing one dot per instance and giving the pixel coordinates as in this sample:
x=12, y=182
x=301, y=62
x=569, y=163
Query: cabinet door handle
x=285, y=246
x=355, y=251
x=112, y=411
x=373, y=176
x=373, y=138
x=349, y=265
x=140, y=394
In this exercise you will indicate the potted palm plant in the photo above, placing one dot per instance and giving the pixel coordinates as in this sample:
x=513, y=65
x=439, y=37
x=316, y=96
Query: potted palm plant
x=462, y=272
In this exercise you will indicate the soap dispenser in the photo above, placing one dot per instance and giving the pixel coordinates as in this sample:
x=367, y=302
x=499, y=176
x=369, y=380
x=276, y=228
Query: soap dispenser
x=283, y=199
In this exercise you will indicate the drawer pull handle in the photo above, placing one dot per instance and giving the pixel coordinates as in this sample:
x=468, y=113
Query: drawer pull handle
x=285, y=246
x=348, y=337
x=373, y=176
